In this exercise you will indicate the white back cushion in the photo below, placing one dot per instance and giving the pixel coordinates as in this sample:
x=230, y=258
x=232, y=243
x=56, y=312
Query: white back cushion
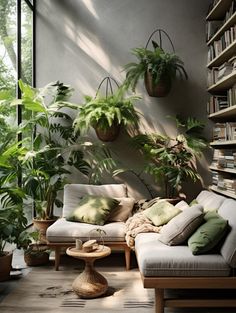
x=228, y=250
x=74, y=192
x=210, y=200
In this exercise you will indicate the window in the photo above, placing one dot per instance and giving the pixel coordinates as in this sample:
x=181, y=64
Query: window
x=17, y=59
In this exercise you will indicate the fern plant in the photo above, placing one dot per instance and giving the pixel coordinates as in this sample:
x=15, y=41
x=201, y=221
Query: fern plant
x=104, y=112
x=163, y=66
x=171, y=161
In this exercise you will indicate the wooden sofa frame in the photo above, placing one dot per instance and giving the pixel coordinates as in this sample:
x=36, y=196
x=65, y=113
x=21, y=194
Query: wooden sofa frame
x=57, y=246
x=162, y=283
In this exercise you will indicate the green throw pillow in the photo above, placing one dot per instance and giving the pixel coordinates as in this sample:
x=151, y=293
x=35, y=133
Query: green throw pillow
x=208, y=235
x=161, y=212
x=93, y=210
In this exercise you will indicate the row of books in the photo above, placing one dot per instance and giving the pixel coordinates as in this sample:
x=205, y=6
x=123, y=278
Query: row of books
x=213, y=25
x=223, y=101
x=215, y=74
x=224, y=131
x=220, y=45
x=224, y=183
x=224, y=158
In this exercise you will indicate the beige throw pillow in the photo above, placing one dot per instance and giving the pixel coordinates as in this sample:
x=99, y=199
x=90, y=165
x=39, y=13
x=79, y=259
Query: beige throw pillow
x=123, y=211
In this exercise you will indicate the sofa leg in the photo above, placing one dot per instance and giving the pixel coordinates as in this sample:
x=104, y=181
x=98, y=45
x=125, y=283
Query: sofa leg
x=127, y=257
x=57, y=257
x=159, y=300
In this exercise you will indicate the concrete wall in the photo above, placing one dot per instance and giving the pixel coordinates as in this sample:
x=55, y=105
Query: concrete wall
x=79, y=42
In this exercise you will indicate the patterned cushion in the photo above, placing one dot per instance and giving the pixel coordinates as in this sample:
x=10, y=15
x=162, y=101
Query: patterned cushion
x=161, y=212
x=93, y=210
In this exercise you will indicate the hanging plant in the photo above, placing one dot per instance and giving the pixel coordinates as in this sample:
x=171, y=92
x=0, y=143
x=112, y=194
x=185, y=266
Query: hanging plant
x=157, y=67
x=107, y=114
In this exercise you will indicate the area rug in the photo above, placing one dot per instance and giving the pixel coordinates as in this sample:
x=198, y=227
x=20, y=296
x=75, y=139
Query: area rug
x=45, y=290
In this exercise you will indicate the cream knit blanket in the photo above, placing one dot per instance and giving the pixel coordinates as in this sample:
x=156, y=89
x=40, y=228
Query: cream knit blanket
x=138, y=223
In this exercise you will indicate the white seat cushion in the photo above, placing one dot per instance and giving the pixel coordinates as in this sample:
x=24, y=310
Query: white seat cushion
x=157, y=259
x=64, y=231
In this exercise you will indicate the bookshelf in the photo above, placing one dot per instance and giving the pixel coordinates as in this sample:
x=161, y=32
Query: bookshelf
x=225, y=170
x=230, y=22
x=224, y=114
x=218, y=10
x=221, y=65
x=225, y=55
x=223, y=192
x=223, y=84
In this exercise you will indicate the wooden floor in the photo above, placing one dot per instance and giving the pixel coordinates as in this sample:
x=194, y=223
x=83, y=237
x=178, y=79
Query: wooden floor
x=140, y=300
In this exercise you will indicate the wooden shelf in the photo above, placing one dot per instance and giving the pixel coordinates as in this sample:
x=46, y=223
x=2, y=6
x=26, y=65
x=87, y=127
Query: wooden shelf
x=219, y=10
x=223, y=143
x=224, y=56
x=230, y=22
x=224, y=84
x=229, y=112
x=223, y=192
x=225, y=170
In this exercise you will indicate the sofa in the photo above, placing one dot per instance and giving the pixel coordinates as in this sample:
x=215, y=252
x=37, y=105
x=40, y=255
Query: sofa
x=164, y=267
x=63, y=233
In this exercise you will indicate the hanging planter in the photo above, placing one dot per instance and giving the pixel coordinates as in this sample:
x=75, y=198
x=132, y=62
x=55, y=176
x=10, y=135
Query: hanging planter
x=108, y=134
x=157, y=67
x=107, y=113
x=160, y=89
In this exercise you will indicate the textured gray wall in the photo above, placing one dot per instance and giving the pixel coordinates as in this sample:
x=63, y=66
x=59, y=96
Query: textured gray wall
x=79, y=42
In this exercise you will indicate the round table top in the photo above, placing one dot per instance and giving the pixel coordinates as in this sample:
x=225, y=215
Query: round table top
x=100, y=252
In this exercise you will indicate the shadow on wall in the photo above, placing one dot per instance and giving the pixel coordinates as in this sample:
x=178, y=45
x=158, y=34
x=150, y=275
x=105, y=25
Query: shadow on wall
x=93, y=38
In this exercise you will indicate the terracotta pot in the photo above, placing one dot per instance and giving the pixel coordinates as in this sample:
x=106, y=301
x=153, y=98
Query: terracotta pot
x=157, y=90
x=5, y=266
x=109, y=134
x=42, y=226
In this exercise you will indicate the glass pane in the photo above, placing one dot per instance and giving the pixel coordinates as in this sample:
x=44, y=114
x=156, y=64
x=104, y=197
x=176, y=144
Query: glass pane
x=26, y=75
x=8, y=45
x=26, y=43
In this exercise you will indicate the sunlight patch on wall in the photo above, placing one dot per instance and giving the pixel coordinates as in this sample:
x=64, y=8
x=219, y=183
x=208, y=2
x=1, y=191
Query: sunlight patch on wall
x=90, y=7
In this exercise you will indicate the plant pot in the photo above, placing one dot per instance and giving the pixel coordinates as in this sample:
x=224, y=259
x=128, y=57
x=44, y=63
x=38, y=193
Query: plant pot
x=161, y=89
x=109, y=134
x=42, y=226
x=37, y=256
x=5, y=266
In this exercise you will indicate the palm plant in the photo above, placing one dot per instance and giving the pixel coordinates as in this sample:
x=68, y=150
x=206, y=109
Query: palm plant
x=171, y=161
x=157, y=67
x=107, y=114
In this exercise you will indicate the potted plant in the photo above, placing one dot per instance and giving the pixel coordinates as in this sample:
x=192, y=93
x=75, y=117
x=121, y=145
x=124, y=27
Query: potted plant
x=107, y=114
x=172, y=160
x=12, y=218
x=34, y=253
x=12, y=223
x=53, y=151
x=158, y=68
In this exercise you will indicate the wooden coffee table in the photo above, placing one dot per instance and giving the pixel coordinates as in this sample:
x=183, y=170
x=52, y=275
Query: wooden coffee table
x=90, y=283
